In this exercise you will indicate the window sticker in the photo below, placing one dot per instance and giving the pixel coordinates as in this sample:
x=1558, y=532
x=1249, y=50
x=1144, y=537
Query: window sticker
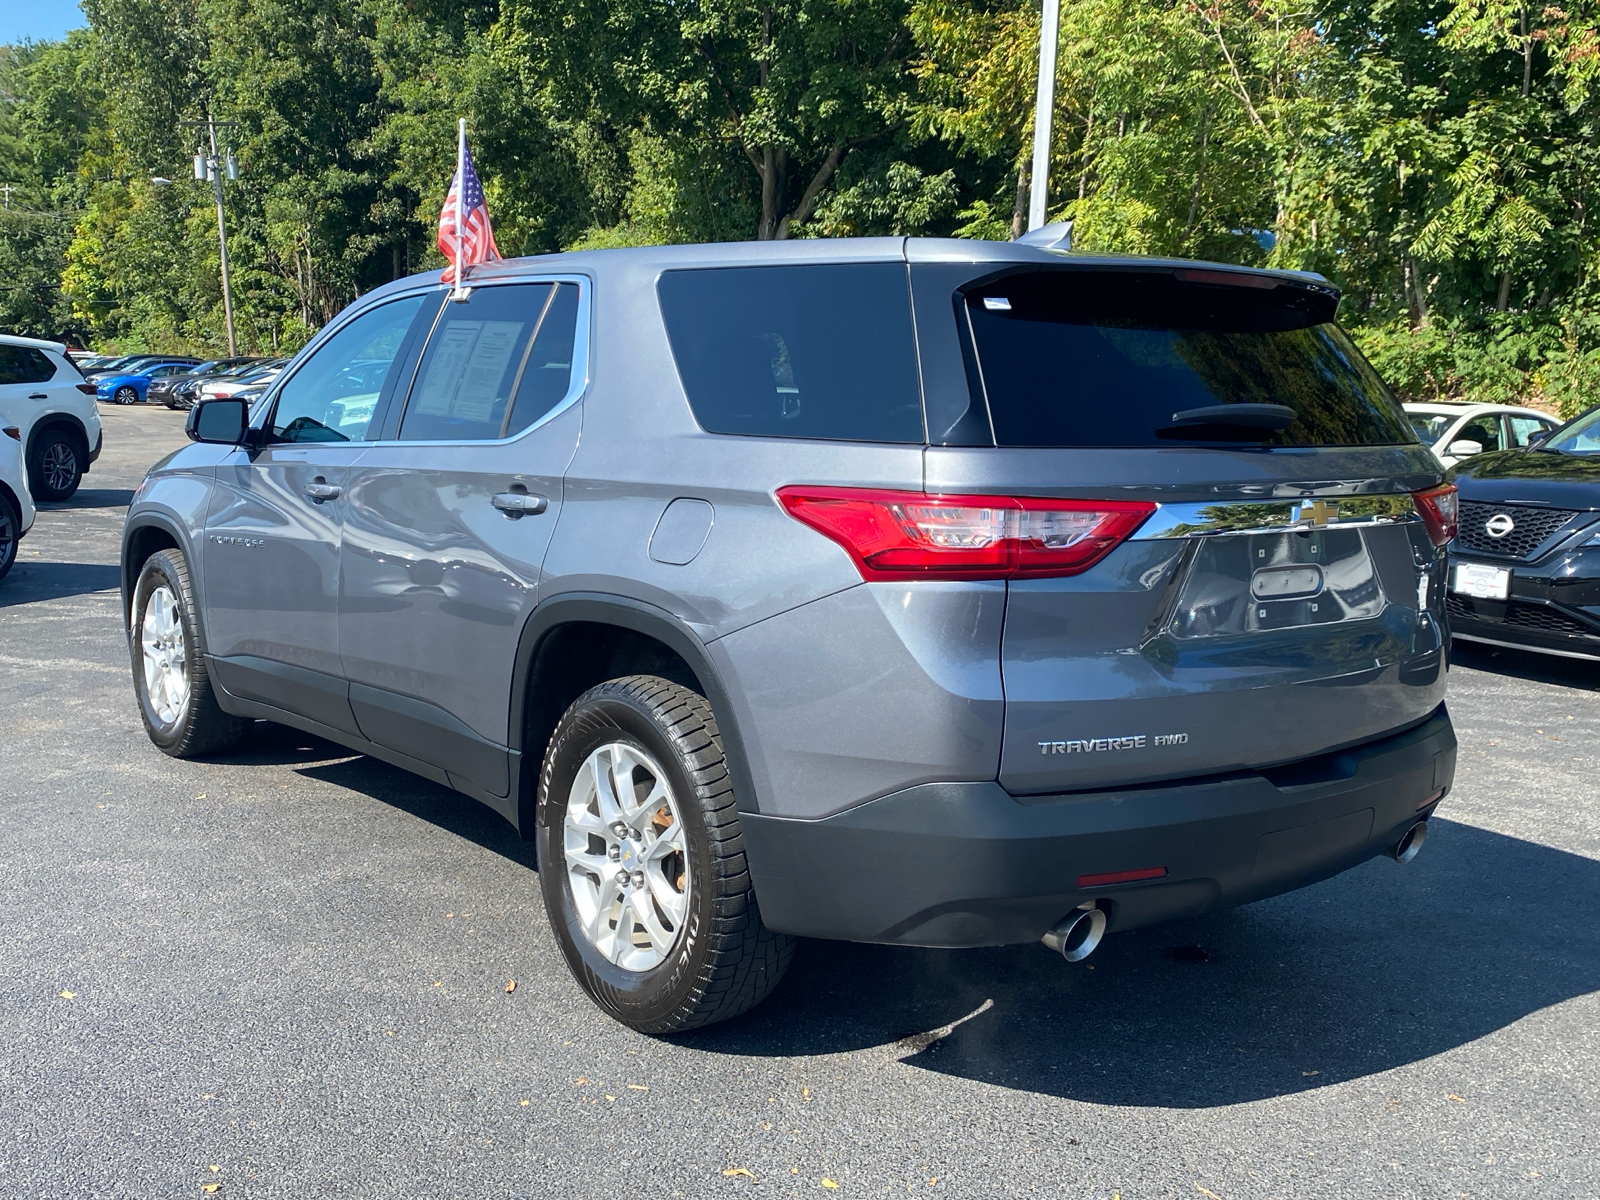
x=479, y=389
x=449, y=364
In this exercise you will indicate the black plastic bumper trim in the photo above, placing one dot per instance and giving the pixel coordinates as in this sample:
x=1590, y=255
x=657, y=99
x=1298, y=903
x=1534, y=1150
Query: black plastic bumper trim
x=965, y=864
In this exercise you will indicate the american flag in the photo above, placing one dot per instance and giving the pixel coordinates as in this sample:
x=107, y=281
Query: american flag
x=477, y=238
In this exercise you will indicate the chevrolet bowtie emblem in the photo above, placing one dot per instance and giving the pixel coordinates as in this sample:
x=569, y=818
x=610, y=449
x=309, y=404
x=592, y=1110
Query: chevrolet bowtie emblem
x=1316, y=512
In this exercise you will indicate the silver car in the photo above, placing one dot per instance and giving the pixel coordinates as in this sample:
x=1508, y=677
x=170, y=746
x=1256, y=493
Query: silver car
x=922, y=592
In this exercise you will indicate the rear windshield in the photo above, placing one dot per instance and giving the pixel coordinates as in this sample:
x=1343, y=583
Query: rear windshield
x=1089, y=358
x=822, y=351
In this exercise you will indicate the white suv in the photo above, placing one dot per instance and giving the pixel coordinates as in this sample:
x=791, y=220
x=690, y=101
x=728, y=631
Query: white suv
x=16, y=506
x=43, y=394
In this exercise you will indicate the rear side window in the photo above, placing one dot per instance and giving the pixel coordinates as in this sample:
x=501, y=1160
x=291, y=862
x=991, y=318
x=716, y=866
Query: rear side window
x=1090, y=358
x=803, y=352
x=494, y=364
x=25, y=364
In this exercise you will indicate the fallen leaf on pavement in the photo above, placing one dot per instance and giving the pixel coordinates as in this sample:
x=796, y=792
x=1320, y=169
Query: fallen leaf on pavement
x=1456, y=1098
x=732, y=1171
x=637, y=1087
x=65, y=995
x=525, y=1103
x=511, y=986
x=211, y=1189
x=828, y=1183
x=1207, y=1192
x=215, y=1168
x=1310, y=1073
x=613, y=1099
x=805, y=1093
x=581, y=1079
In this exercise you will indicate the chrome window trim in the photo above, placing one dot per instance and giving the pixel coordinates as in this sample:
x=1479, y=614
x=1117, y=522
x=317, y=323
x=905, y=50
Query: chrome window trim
x=1275, y=516
x=576, y=388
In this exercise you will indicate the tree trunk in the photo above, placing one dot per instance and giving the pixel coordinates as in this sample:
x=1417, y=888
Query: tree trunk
x=1527, y=57
x=1019, y=207
x=1416, y=298
x=1505, y=292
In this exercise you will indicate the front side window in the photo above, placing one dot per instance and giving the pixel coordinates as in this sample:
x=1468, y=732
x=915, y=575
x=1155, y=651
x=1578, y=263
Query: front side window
x=823, y=351
x=1484, y=430
x=1108, y=358
x=332, y=396
x=494, y=364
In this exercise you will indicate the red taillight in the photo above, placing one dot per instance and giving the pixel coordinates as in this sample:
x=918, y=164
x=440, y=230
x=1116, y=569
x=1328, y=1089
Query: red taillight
x=1440, y=509
x=1110, y=877
x=912, y=535
x=12, y=432
x=88, y=389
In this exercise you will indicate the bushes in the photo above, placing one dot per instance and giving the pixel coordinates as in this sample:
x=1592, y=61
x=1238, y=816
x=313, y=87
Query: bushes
x=1540, y=359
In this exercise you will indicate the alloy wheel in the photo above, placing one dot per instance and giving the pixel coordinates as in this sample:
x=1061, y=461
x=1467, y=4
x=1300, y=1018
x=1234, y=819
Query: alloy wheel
x=59, y=466
x=626, y=857
x=126, y=395
x=8, y=538
x=166, y=657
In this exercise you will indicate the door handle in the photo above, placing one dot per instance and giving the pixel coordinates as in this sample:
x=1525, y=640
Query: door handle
x=320, y=490
x=519, y=504
x=39, y=396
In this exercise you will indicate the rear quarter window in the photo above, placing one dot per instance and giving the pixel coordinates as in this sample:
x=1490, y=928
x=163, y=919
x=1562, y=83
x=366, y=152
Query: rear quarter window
x=1102, y=358
x=820, y=351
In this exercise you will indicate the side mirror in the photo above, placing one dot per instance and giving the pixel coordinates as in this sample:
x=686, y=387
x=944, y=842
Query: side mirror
x=223, y=420
x=1464, y=448
x=1538, y=439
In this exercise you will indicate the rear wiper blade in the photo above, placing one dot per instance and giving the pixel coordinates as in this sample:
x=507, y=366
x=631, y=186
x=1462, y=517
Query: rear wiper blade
x=1229, y=422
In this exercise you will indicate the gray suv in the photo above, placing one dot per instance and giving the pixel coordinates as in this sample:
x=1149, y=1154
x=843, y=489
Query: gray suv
x=921, y=592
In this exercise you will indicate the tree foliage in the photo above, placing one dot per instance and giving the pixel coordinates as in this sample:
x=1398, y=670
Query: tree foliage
x=1439, y=159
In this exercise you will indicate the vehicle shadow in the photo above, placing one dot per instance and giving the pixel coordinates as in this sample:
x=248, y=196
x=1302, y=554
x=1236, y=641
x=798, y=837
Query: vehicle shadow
x=423, y=799
x=30, y=581
x=1380, y=967
x=1526, y=664
x=91, y=498
x=1375, y=969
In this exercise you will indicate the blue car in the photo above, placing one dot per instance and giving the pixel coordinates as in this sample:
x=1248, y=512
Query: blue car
x=130, y=387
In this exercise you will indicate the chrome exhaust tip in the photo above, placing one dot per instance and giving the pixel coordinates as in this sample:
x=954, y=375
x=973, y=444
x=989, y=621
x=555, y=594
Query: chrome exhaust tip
x=1077, y=934
x=1410, y=846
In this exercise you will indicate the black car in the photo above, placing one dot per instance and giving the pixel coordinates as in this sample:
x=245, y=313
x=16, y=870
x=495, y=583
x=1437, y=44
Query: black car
x=1525, y=566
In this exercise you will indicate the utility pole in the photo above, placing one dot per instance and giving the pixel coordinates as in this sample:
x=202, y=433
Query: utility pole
x=8, y=188
x=214, y=166
x=1044, y=110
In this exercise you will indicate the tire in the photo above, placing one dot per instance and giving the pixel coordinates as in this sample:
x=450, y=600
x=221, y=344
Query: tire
x=10, y=534
x=721, y=959
x=165, y=630
x=126, y=394
x=55, y=465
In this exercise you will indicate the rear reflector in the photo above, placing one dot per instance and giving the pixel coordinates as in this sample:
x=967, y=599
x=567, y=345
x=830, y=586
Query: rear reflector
x=1440, y=510
x=88, y=389
x=912, y=535
x=1110, y=877
x=12, y=432
x=1433, y=799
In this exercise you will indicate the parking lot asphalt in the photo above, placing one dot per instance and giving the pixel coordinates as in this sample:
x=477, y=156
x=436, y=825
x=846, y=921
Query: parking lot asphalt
x=287, y=973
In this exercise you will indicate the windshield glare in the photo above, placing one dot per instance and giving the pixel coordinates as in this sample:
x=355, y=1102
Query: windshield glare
x=1581, y=437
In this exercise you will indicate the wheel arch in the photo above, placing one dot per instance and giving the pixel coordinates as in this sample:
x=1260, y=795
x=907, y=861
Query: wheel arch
x=58, y=420
x=576, y=640
x=144, y=535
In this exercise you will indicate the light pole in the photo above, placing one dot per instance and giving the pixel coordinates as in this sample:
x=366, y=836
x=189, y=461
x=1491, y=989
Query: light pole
x=214, y=166
x=1044, y=109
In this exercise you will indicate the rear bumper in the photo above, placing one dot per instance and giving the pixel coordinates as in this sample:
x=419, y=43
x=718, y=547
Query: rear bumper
x=967, y=864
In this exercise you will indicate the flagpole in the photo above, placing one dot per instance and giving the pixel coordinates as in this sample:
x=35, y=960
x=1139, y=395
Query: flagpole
x=461, y=185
